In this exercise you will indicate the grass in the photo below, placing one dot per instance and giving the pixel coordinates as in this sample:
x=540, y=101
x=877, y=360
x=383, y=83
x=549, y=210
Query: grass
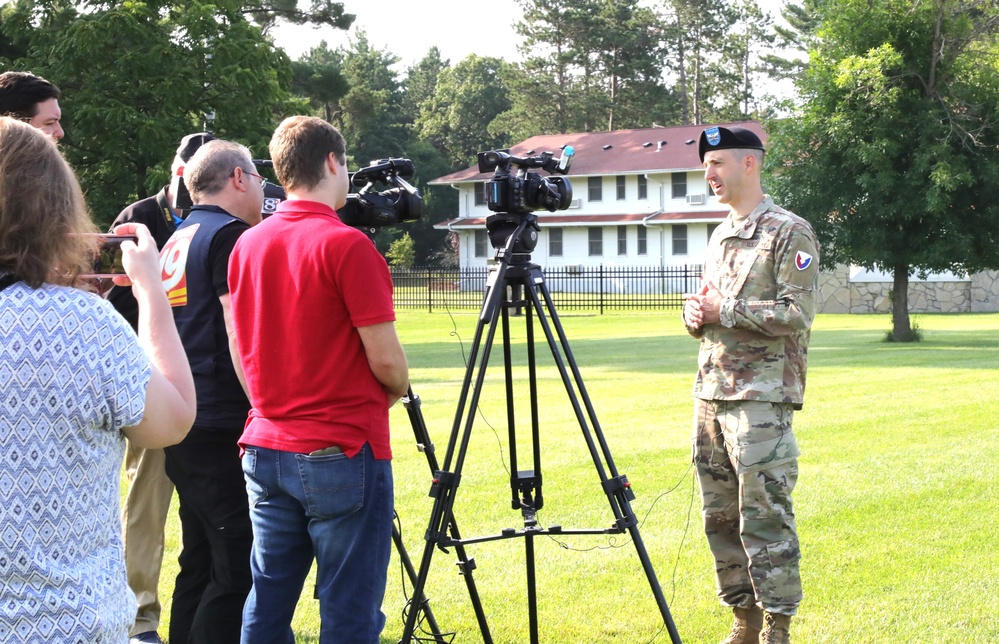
x=896, y=503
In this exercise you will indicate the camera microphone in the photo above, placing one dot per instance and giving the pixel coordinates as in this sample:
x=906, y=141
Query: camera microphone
x=565, y=160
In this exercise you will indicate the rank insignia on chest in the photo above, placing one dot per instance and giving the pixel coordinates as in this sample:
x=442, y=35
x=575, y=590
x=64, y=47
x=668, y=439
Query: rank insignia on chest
x=802, y=260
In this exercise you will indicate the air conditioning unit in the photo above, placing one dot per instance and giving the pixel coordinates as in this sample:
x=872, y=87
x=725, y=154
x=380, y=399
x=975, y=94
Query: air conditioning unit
x=695, y=200
x=573, y=269
x=576, y=203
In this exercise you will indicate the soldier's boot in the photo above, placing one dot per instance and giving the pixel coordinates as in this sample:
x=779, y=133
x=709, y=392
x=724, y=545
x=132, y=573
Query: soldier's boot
x=776, y=629
x=747, y=625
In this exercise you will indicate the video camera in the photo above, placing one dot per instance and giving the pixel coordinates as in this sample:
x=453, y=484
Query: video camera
x=526, y=191
x=366, y=209
x=369, y=209
x=514, y=197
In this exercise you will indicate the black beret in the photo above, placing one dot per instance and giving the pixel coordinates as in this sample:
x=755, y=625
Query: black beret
x=727, y=138
x=190, y=144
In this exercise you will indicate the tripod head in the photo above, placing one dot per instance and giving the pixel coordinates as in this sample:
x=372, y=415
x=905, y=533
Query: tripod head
x=513, y=235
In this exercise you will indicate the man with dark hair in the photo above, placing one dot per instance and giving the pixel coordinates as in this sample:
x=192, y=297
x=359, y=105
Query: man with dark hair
x=32, y=99
x=144, y=512
x=214, y=577
x=753, y=317
x=315, y=325
x=159, y=214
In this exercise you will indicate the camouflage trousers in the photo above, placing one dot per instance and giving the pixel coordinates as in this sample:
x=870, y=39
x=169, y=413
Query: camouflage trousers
x=747, y=464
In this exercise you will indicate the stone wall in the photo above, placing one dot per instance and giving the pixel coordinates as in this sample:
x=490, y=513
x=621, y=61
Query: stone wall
x=839, y=295
x=985, y=292
x=834, y=290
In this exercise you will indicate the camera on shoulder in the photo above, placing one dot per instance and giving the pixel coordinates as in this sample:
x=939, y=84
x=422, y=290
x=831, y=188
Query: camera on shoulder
x=368, y=208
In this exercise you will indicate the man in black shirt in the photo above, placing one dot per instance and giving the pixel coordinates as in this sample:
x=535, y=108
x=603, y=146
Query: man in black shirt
x=144, y=512
x=214, y=577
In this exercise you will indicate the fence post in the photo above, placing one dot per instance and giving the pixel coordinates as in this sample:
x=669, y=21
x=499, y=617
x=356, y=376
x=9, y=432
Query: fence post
x=430, y=290
x=601, y=289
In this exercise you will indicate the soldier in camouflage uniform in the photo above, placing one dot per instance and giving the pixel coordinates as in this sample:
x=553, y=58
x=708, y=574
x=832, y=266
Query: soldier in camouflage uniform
x=752, y=315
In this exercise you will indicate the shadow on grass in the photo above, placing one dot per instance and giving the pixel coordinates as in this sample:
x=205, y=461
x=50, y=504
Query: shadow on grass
x=938, y=350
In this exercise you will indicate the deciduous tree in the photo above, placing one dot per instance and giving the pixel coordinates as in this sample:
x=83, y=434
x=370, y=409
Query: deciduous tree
x=370, y=114
x=894, y=152
x=138, y=76
x=458, y=120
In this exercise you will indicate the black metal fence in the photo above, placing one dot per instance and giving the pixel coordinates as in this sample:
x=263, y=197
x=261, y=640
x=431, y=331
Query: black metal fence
x=598, y=288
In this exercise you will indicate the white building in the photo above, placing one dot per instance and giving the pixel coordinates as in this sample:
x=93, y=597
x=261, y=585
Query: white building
x=639, y=199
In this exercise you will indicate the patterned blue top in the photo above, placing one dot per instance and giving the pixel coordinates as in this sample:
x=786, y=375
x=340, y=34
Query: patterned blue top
x=71, y=376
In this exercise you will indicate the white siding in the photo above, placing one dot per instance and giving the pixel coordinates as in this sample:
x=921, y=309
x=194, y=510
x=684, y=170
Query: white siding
x=575, y=244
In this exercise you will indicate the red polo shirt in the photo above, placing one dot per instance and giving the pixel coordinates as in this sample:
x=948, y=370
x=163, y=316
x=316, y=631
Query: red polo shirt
x=301, y=283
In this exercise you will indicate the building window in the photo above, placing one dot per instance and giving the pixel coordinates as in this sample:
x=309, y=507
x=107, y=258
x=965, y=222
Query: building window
x=481, y=243
x=596, y=237
x=711, y=230
x=679, y=185
x=480, y=194
x=554, y=242
x=643, y=240
x=620, y=188
x=679, y=239
x=622, y=240
x=596, y=188
x=707, y=189
x=643, y=187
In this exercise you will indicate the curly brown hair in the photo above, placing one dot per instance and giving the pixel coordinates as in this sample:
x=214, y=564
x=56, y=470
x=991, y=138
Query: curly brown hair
x=42, y=210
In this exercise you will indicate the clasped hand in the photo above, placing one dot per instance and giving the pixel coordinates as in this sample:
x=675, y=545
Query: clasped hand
x=703, y=307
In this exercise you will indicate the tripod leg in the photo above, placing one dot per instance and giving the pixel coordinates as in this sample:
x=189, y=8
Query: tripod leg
x=617, y=488
x=419, y=603
x=465, y=564
x=532, y=587
x=445, y=482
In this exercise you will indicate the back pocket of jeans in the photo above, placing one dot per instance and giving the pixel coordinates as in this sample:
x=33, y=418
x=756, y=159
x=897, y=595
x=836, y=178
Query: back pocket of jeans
x=255, y=490
x=333, y=486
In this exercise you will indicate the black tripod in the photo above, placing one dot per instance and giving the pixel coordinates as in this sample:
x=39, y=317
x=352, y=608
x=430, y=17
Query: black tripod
x=514, y=273
x=465, y=565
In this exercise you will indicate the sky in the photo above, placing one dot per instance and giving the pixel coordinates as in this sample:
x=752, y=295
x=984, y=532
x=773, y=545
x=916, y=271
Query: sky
x=409, y=28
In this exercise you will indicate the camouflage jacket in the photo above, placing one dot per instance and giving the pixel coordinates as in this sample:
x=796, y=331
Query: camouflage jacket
x=766, y=266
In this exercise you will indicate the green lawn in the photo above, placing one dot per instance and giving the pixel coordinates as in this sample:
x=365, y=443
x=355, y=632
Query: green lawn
x=897, y=501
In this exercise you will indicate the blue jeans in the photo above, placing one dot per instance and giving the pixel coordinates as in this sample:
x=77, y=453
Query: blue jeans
x=335, y=509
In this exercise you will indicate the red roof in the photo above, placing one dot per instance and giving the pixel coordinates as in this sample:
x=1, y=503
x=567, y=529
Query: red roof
x=661, y=149
x=586, y=220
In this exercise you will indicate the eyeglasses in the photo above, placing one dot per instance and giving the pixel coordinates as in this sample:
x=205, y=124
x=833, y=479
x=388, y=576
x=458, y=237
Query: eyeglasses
x=254, y=174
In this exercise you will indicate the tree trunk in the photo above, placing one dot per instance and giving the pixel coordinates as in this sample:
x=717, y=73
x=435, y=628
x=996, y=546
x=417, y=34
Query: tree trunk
x=684, y=95
x=901, y=331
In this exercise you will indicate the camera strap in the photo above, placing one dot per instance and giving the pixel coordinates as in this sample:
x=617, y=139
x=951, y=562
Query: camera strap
x=165, y=210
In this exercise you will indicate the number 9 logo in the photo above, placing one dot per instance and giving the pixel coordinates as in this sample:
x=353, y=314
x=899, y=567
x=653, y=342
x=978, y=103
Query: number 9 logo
x=173, y=259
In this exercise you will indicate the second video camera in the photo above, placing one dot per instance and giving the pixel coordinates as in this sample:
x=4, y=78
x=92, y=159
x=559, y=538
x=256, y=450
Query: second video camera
x=368, y=208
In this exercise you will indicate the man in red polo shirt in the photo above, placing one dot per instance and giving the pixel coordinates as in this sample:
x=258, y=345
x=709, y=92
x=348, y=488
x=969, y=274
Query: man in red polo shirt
x=315, y=326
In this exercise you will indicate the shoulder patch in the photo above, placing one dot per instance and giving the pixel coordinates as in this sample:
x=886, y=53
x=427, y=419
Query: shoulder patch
x=802, y=260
